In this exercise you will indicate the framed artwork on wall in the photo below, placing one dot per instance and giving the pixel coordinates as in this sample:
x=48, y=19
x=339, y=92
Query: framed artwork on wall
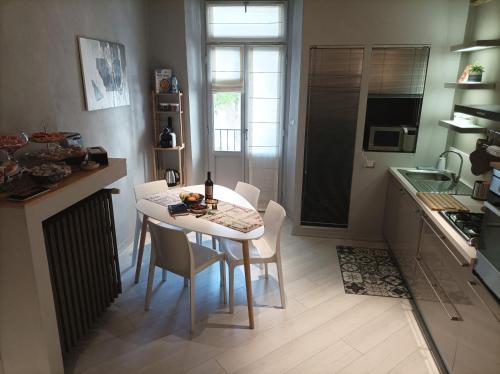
x=104, y=72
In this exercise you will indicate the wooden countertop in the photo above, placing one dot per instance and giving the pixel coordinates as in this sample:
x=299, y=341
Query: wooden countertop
x=79, y=180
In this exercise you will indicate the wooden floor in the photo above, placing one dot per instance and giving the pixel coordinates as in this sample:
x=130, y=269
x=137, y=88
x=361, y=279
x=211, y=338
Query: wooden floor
x=322, y=330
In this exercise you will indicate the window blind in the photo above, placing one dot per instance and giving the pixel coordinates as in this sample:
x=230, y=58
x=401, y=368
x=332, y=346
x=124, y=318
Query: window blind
x=398, y=70
x=245, y=20
x=226, y=68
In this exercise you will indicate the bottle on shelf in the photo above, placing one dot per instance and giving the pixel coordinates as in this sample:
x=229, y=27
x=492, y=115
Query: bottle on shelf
x=168, y=139
x=171, y=133
x=164, y=138
x=209, y=187
x=174, y=84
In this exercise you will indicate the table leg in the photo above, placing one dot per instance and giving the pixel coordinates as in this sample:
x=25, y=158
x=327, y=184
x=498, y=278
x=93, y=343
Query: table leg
x=141, y=247
x=248, y=282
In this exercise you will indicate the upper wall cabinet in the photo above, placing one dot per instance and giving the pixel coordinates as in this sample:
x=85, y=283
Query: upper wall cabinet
x=395, y=94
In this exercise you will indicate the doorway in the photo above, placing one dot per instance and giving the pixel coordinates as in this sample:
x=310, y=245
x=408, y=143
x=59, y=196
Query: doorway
x=245, y=75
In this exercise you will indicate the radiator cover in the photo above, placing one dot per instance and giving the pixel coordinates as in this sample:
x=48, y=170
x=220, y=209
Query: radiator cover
x=83, y=261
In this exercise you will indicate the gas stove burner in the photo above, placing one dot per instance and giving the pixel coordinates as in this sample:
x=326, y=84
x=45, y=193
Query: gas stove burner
x=466, y=223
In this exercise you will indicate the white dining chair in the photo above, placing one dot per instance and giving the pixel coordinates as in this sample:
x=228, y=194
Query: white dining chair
x=250, y=193
x=142, y=191
x=264, y=250
x=171, y=250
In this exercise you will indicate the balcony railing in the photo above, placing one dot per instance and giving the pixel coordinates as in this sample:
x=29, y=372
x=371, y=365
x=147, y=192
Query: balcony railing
x=227, y=140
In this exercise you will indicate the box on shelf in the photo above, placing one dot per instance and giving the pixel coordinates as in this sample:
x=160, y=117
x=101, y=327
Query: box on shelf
x=162, y=80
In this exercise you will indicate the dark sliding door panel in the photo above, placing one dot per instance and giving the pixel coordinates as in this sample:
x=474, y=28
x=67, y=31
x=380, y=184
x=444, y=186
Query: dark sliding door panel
x=332, y=111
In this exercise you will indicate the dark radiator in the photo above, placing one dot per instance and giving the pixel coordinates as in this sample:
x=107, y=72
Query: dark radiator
x=83, y=263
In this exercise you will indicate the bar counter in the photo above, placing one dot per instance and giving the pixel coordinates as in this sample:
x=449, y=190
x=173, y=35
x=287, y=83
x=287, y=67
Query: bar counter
x=29, y=334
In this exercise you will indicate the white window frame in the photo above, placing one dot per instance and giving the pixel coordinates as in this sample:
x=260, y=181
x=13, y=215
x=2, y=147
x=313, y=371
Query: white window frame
x=244, y=43
x=236, y=40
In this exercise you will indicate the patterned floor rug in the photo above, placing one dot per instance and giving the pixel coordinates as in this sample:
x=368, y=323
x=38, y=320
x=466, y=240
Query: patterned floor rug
x=367, y=271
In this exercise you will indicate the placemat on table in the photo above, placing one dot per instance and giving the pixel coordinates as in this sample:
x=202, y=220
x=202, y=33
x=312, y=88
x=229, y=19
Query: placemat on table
x=234, y=217
x=166, y=198
x=229, y=215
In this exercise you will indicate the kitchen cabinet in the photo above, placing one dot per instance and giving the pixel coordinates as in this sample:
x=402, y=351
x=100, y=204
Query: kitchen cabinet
x=432, y=291
x=461, y=316
x=459, y=313
x=478, y=342
x=402, y=226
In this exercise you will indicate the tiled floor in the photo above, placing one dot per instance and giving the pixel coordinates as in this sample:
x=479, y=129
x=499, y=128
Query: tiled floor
x=322, y=330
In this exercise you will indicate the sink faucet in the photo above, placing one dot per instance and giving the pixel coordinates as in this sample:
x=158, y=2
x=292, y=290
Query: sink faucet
x=455, y=178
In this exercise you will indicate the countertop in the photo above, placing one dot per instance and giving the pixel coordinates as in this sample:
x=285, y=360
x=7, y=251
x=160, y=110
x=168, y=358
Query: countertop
x=464, y=248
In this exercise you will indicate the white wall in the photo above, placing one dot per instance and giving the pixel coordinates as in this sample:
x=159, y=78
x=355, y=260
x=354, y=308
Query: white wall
x=483, y=23
x=438, y=23
x=40, y=81
x=175, y=42
x=195, y=64
x=292, y=104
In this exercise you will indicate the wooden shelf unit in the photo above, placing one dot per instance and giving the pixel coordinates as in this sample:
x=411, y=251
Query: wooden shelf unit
x=178, y=124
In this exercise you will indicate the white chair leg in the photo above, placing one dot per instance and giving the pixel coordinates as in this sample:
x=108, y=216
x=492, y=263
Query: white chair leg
x=214, y=243
x=281, y=282
x=199, y=238
x=192, y=302
x=163, y=275
x=223, y=279
x=231, y=288
x=151, y=275
x=186, y=281
x=266, y=271
x=137, y=234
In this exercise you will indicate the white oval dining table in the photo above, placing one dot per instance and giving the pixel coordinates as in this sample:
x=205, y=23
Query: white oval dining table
x=203, y=226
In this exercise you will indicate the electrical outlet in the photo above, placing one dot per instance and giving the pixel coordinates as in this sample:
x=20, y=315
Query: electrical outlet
x=369, y=163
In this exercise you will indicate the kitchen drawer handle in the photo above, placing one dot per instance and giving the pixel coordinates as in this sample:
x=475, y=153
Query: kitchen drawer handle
x=473, y=285
x=453, y=314
x=441, y=238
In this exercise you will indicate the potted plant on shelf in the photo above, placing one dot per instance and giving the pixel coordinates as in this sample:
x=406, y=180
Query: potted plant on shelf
x=475, y=73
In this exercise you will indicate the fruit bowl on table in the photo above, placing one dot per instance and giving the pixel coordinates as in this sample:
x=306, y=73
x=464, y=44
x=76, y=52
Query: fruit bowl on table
x=191, y=198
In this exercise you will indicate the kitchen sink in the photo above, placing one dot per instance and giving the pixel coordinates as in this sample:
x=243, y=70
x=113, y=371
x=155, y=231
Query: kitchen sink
x=435, y=181
x=427, y=176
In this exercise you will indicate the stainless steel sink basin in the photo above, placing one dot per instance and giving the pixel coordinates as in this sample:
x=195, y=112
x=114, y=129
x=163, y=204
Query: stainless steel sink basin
x=427, y=175
x=434, y=181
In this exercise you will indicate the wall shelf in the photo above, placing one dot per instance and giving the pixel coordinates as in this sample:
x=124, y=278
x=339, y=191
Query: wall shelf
x=176, y=149
x=462, y=128
x=470, y=85
x=491, y=112
x=170, y=94
x=169, y=112
x=475, y=45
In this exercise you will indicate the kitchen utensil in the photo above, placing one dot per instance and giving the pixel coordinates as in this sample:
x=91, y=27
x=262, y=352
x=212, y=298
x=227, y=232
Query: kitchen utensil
x=480, y=190
x=437, y=201
x=172, y=177
x=480, y=161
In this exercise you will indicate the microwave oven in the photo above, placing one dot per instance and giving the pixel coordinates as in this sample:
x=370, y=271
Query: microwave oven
x=392, y=139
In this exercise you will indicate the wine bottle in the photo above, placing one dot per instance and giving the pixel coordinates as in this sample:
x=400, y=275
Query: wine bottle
x=209, y=188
